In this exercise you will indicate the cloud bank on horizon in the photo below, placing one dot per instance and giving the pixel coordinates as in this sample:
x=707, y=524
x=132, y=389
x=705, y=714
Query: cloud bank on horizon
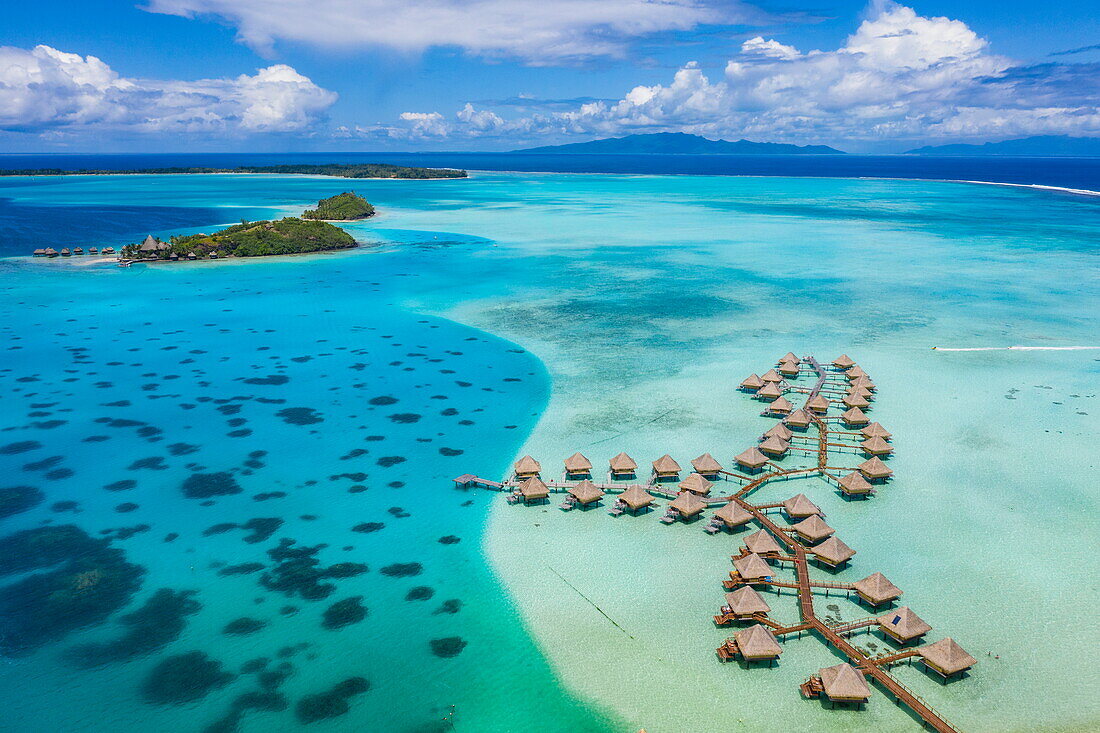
x=899, y=76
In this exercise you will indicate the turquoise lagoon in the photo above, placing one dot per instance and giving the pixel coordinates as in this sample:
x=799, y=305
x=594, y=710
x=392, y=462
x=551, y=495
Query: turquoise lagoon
x=224, y=446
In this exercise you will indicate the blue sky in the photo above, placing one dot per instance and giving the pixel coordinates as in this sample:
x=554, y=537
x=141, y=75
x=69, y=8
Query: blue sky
x=173, y=75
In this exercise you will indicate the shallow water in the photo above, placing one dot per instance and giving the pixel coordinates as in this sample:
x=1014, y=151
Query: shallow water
x=647, y=299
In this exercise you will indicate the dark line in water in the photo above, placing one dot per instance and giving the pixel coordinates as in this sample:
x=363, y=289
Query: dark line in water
x=582, y=595
x=618, y=435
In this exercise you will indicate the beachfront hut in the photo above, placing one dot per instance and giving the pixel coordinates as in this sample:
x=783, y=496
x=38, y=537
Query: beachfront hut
x=833, y=552
x=192, y=256
x=761, y=543
x=852, y=400
x=752, y=383
x=757, y=643
x=798, y=419
x=780, y=406
x=818, y=404
x=696, y=484
x=733, y=515
x=874, y=470
x=789, y=356
x=622, y=466
x=780, y=431
x=577, y=465
x=687, y=504
x=666, y=468
x=586, y=492
x=876, y=447
x=744, y=603
x=526, y=467
x=151, y=246
x=771, y=376
x=874, y=430
x=854, y=485
x=800, y=507
x=705, y=465
x=788, y=368
x=636, y=498
x=774, y=446
x=769, y=391
x=853, y=417
x=751, y=459
x=844, y=683
x=903, y=626
x=752, y=568
x=946, y=657
x=533, y=489
x=813, y=529
x=843, y=361
x=876, y=589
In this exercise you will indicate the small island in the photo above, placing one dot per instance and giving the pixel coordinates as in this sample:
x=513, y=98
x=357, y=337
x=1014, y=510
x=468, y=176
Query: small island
x=338, y=170
x=347, y=206
x=247, y=239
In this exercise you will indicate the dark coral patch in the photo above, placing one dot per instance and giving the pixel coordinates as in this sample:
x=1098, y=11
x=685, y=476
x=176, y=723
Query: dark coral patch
x=447, y=647
x=402, y=569
x=22, y=446
x=419, y=593
x=205, y=485
x=159, y=622
x=331, y=704
x=123, y=485
x=184, y=678
x=449, y=540
x=368, y=527
x=450, y=452
x=387, y=461
x=405, y=418
x=300, y=415
x=153, y=463
x=344, y=613
x=383, y=400
x=243, y=569
x=18, y=499
x=243, y=626
x=272, y=379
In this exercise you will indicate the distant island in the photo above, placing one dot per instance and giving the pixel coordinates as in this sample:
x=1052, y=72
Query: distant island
x=679, y=143
x=340, y=170
x=247, y=239
x=1040, y=145
x=347, y=206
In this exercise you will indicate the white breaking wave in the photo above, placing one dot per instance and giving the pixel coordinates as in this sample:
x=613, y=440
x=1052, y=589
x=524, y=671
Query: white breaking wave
x=1019, y=348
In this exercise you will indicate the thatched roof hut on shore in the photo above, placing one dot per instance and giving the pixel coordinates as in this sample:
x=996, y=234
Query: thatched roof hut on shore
x=779, y=430
x=947, y=657
x=903, y=625
x=854, y=484
x=813, y=529
x=533, y=489
x=586, y=492
x=873, y=469
x=752, y=383
x=578, y=465
x=781, y=406
x=756, y=643
x=843, y=361
x=876, y=589
x=761, y=542
x=733, y=515
x=666, y=467
x=751, y=458
x=636, y=498
x=752, y=567
x=706, y=465
x=876, y=447
x=799, y=506
x=844, y=683
x=854, y=416
x=775, y=446
x=622, y=465
x=798, y=419
x=526, y=467
x=696, y=484
x=874, y=430
x=833, y=552
x=746, y=602
x=687, y=504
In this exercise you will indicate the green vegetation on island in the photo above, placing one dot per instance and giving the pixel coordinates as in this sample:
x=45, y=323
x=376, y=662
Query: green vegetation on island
x=339, y=170
x=346, y=206
x=247, y=239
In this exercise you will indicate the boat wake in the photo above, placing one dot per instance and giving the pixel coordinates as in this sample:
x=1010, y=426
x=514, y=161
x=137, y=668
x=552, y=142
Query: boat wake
x=1019, y=348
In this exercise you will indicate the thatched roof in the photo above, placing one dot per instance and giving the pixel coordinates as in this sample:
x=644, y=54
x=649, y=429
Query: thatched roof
x=813, y=528
x=876, y=430
x=788, y=368
x=799, y=419
x=577, y=463
x=818, y=404
x=688, y=504
x=774, y=445
x=779, y=430
x=876, y=588
x=586, y=492
x=843, y=361
x=874, y=468
x=771, y=389
x=706, y=464
x=862, y=392
x=855, y=401
x=733, y=514
x=151, y=244
x=781, y=405
x=757, y=642
x=636, y=497
x=854, y=416
x=752, y=567
x=771, y=376
x=833, y=551
x=876, y=446
x=696, y=484
x=623, y=463
x=745, y=601
x=799, y=505
x=864, y=381
x=752, y=458
x=752, y=382
x=527, y=464
x=665, y=464
x=844, y=682
x=789, y=356
x=903, y=624
x=947, y=656
x=855, y=372
x=534, y=488
x=761, y=542
x=854, y=483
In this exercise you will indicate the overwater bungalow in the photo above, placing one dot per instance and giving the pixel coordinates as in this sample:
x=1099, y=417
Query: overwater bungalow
x=862, y=392
x=854, y=400
x=780, y=406
x=771, y=376
x=818, y=404
x=586, y=493
x=108, y=250
x=78, y=250
x=577, y=466
x=813, y=529
x=769, y=391
x=526, y=467
x=855, y=485
x=946, y=658
x=876, y=447
x=876, y=589
x=774, y=446
x=799, y=419
x=93, y=250
x=780, y=431
x=50, y=252
x=666, y=468
x=864, y=382
x=752, y=568
x=903, y=626
x=843, y=361
x=744, y=603
x=789, y=356
x=854, y=417
x=636, y=498
x=40, y=252
x=854, y=373
x=705, y=465
x=874, y=430
x=65, y=252
x=833, y=552
x=622, y=466
x=751, y=460
x=533, y=490
x=874, y=470
x=844, y=683
x=752, y=383
x=799, y=507
x=757, y=643
x=761, y=543
x=687, y=505
x=696, y=484
x=733, y=515
x=788, y=368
